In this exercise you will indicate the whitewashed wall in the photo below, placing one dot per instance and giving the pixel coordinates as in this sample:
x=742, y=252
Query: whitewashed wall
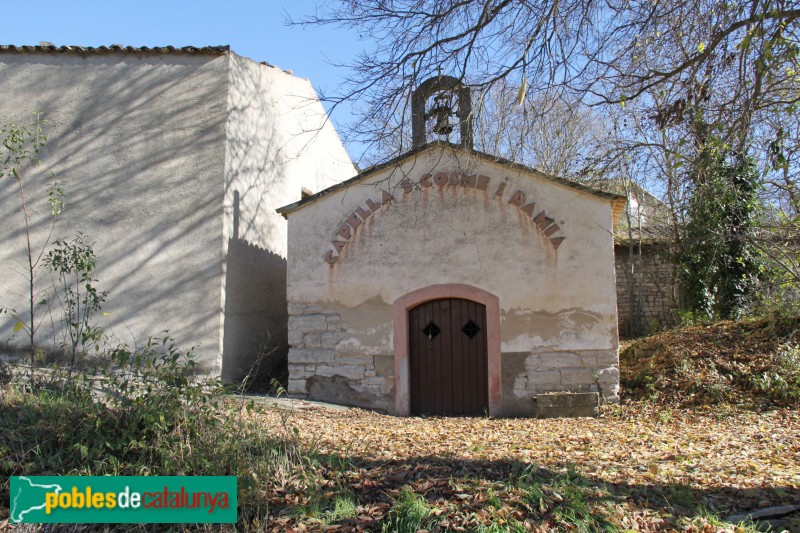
x=138, y=143
x=150, y=149
x=279, y=142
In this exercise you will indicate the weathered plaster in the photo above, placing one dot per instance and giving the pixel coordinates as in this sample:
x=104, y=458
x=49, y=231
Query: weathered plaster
x=368, y=330
x=138, y=144
x=575, y=328
x=389, y=239
x=516, y=401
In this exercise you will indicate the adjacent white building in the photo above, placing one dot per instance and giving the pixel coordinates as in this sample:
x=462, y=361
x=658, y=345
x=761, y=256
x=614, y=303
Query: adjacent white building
x=173, y=162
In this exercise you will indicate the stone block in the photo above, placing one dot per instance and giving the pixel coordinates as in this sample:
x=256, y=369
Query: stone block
x=295, y=308
x=296, y=371
x=544, y=377
x=307, y=355
x=577, y=376
x=608, y=375
x=326, y=370
x=352, y=372
x=374, y=390
x=607, y=357
x=554, y=360
x=547, y=387
x=567, y=405
x=384, y=365
x=365, y=360
x=312, y=340
x=295, y=338
x=297, y=386
x=330, y=339
x=308, y=323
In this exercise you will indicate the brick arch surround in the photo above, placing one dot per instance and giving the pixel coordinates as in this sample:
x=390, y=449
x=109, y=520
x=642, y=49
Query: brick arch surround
x=400, y=310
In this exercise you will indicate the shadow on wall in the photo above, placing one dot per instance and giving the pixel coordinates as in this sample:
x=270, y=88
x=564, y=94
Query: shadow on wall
x=138, y=144
x=255, y=333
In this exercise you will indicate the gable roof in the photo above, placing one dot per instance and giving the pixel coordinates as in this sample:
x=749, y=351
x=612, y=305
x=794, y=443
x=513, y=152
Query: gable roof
x=618, y=201
x=52, y=49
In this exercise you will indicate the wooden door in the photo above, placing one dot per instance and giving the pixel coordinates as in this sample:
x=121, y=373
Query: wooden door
x=448, y=358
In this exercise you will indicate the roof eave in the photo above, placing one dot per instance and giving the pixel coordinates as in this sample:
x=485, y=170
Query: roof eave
x=115, y=48
x=288, y=209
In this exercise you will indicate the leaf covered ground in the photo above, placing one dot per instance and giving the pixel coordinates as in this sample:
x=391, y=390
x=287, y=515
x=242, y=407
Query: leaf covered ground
x=637, y=467
x=708, y=428
x=754, y=363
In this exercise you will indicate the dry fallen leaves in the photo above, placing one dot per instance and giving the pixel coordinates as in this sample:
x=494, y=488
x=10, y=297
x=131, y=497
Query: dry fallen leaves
x=647, y=466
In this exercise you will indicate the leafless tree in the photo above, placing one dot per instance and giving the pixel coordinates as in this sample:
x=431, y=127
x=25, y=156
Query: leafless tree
x=736, y=58
x=667, y=80
x=551, y=132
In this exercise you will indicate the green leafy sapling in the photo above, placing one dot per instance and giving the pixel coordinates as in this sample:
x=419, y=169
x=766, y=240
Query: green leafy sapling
x=74, y=263
x=20, y=148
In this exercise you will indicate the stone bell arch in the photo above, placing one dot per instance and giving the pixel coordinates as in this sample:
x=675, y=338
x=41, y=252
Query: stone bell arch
x=442, y=88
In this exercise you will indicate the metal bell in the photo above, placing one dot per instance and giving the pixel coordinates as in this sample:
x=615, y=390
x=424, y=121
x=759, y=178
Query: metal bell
x=442, y=112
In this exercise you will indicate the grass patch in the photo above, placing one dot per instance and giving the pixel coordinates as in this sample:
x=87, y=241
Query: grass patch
x=344, y=506
x=407, y=514
x=142, y=414
x=508, y=526
x=569, y=500
x=325, y=508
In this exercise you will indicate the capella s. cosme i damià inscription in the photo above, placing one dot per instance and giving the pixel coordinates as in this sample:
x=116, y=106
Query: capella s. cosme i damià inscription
x=441, y=180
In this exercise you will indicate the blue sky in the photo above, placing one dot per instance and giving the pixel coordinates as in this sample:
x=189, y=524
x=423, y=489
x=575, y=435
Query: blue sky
x=254, y=29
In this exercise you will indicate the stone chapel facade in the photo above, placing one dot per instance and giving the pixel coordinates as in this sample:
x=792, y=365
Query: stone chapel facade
x=448, y=281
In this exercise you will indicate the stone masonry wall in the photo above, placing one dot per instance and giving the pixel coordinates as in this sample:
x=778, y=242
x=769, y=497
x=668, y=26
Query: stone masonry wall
x=320, y=368
x=323, y=367
x=526, y=375
x=655, y=295
x=570, y=372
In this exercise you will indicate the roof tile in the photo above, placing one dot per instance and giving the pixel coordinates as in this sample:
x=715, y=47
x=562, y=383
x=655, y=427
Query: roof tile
x=44, y=49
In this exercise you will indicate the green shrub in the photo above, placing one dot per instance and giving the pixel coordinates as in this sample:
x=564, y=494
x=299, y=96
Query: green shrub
x=143, y=412
x=73, y=262
x=689, y=317
x=782, y=382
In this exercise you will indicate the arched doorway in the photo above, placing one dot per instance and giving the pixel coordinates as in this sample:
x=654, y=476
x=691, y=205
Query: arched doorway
x=448, y=363
x=488, y=334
